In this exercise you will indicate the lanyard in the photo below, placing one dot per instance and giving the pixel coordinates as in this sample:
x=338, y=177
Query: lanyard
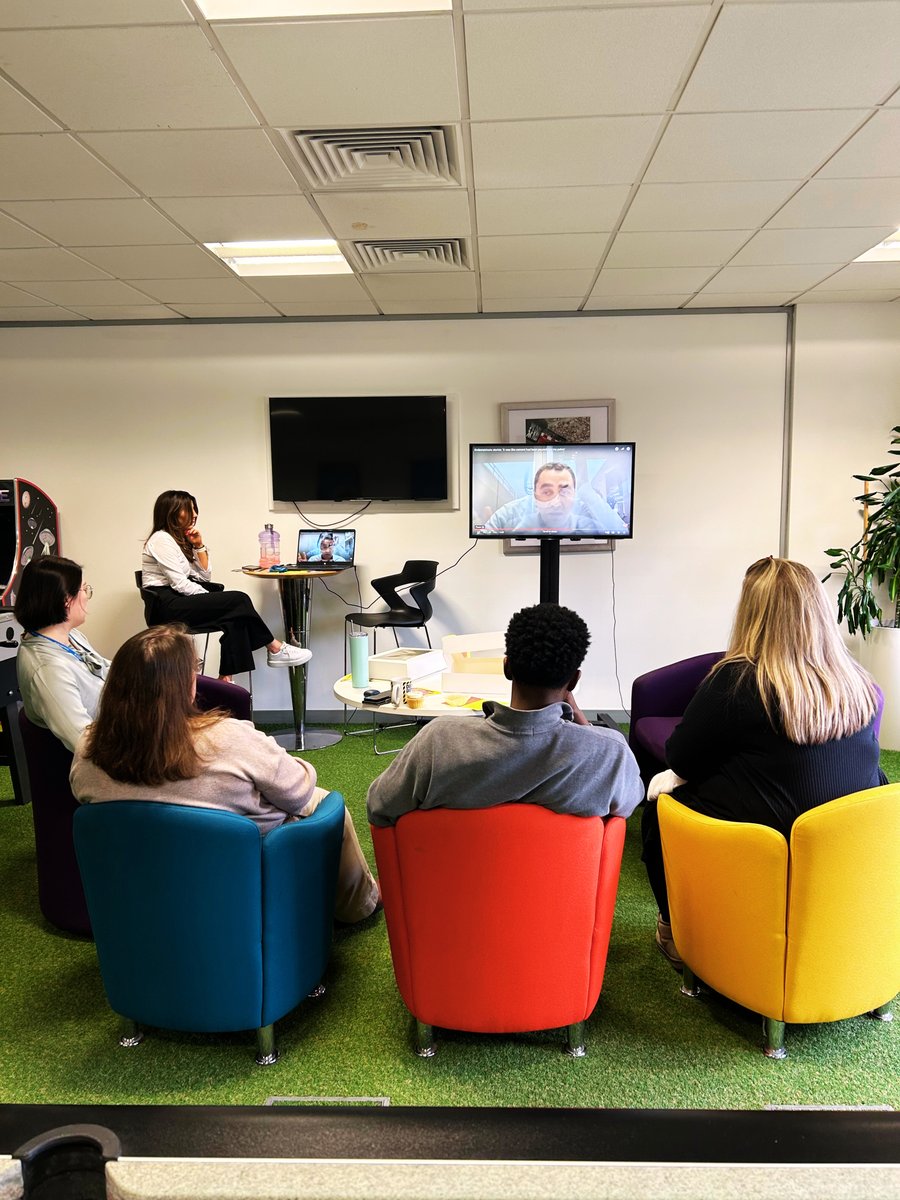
x=62, y=646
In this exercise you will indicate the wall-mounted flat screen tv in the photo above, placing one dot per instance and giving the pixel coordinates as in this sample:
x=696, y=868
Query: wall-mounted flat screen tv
x=358, y=447
x=570, y=491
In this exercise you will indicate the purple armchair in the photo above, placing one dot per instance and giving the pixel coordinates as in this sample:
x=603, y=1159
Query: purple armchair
x=60, y=893
x=658, y=701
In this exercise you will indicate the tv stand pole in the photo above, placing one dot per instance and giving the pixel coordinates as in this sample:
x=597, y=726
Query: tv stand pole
x=549, y=570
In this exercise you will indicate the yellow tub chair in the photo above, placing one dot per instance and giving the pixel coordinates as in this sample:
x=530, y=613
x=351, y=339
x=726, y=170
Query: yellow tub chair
x=800, y=933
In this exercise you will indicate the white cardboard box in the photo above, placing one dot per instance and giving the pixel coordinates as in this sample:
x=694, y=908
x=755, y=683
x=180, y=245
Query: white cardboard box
x=405, y=662
x=474, y=663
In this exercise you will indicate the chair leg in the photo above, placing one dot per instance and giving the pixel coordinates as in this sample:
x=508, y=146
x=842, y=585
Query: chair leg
x=427, y=636
x=266, y=1054
x=424, y=1040
x=689, y=985
x=132, y=1034
x=574, y=1046
x=774, y=1038
x=882, y=1014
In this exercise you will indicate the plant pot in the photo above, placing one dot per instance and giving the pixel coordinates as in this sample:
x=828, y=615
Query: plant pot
x=880, y=655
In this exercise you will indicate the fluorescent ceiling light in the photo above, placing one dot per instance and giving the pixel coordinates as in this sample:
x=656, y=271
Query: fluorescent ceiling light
x=261, y=10
x=282, y=258
x=886, y=251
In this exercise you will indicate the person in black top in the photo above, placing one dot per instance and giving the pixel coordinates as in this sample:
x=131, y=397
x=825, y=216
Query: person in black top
x=783, y=723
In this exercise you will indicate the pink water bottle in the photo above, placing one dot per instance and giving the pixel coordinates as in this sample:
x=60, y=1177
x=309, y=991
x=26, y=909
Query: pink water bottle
x=266, y=549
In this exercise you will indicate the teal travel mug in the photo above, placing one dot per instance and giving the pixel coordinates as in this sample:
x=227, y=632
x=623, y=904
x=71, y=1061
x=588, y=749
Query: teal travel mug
x=359, y=660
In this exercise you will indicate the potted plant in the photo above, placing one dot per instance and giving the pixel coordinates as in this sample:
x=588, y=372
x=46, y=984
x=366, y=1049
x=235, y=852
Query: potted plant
x=873, y=560
x=870, y=570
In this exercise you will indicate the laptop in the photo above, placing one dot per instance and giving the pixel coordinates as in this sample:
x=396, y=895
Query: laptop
x=333, y=548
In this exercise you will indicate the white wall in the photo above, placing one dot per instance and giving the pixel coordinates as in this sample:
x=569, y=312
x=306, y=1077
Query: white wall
x=104, y=418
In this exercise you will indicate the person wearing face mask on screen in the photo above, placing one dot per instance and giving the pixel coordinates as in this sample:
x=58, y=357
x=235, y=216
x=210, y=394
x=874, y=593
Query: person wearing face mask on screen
x=556, y=505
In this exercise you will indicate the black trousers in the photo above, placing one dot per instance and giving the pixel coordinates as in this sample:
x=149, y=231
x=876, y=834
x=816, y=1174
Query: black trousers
x=652, y=857
x=243, y=629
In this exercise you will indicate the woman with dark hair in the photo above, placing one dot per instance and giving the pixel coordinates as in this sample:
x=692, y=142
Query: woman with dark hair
x=175, y=568
x=783, y=723
x=59, y=672
x=150, y=742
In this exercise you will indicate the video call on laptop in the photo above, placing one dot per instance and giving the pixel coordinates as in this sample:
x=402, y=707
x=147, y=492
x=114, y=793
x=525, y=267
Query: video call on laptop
x=334, y=547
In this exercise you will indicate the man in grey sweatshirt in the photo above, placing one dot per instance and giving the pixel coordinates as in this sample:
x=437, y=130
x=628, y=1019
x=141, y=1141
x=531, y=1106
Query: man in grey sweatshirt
x=541, y=749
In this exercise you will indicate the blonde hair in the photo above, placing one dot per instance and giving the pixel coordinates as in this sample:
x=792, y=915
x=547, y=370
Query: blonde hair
x=785, y=631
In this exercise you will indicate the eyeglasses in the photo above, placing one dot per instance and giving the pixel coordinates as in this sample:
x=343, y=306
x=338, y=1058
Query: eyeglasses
x=198, y=666
x=88, y=590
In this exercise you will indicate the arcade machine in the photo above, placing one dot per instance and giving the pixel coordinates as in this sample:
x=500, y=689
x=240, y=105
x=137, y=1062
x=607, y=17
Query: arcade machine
x=29, y=526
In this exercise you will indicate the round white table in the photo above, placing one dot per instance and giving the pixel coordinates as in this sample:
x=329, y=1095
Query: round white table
x=434, y=705
x=295, y=593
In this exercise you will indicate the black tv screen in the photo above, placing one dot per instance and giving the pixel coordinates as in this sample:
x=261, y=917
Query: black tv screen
x=560, y=491
x=358, y=447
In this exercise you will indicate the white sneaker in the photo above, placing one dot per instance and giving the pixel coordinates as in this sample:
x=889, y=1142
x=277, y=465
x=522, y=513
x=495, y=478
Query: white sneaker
x=288, y=656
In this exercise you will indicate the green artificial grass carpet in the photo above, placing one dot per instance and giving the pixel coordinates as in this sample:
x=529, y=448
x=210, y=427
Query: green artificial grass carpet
x=648, y=1046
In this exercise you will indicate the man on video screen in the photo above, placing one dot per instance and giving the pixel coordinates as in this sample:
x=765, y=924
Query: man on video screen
x=556, y=505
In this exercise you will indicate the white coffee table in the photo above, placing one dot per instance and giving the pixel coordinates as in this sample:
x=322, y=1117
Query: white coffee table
x=434, y=705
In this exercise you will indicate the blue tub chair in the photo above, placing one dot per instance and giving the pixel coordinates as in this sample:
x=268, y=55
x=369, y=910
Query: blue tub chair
x=200, y=923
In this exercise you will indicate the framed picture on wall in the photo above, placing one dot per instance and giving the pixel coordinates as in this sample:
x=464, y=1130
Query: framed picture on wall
x=557, y=422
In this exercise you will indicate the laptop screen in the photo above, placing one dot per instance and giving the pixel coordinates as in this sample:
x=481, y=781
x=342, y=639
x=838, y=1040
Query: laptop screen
x=336, y=546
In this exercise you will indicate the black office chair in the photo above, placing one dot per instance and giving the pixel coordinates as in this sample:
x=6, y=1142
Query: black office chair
x=148, y=599
x=417, y=577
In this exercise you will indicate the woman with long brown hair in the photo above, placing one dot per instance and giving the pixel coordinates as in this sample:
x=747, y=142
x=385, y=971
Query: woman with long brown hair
x=784, y=722
x=149, y=741
x=175, y=569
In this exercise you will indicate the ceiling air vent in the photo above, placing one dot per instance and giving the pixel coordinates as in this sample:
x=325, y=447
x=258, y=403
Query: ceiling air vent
x=363, y=159
x=413, y=254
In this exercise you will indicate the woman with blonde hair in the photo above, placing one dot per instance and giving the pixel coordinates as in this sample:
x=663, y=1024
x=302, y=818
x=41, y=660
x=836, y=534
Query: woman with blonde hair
x=149, y=741
x=784, y=722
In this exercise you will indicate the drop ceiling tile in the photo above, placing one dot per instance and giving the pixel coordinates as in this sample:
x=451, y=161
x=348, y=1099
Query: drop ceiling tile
x=531, y=304
x=824, y=296
x=403, y=70
x=616, y=61
x=664, y=207
x=726, y=147
x=29, y=14
x=125, y=312
x=650, y=301
x=307, y=289
x=378, y=215
x=552, y=252
x=657, y=281
x=155, y=262
x=217, y=162
x=47, y=313
x=771, y=247
x=18, y=266
x=685, y=249
x=19, y=115
x=583, y=151
x=18, y=297
x=12, y=234
x=245, y=218
x=197, y=291
x=549, y=210
x=363, y=307
x=161, y=77
x=874, y=151
x=424, y=285
x=99, y=291
x=865, y=276
x=97, y=222
x=803, y=56
x=841, y=203
x=741, y=300
x=52, y=166
x=793, y=279
x=396, y=308
x=497, y=285
x=226, y=310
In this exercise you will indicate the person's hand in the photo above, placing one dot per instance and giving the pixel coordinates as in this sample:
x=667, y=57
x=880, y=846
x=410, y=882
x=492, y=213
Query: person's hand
x=665, y=781
x=194, y=536
x=580, y=718
x=302, y=557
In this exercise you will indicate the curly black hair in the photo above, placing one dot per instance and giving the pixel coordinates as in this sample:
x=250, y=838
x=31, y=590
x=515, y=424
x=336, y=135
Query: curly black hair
x=545, y=645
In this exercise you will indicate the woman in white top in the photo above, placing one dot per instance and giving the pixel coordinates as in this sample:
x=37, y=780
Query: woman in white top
x=59, y=672
x=150, y=742
x=175, y=568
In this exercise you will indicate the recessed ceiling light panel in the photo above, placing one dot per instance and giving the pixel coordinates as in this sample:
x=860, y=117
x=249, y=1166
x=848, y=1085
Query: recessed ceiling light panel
x=319, y=257
x=886, y=251
x=267, y=10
